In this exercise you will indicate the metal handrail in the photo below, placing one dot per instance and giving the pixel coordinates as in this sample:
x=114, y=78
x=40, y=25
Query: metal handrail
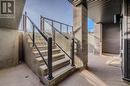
x=57, y=43
x=56, y=21
x=71, y=38
x=57, y=29
x=67, y=37
x=63, y=50
x=38, y=50
x=42, y=33
x=48, y=39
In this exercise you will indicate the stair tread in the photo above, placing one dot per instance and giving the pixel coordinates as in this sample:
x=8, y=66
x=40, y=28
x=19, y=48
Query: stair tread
x=38, y=42
x=59, y=54
x=42, y=51
x=62, y=70
x=60, y=74
x=44, y=67
x=42, y=46
x=45, y=57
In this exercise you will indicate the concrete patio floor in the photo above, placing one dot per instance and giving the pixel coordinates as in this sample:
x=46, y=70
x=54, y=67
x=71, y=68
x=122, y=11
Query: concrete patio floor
x=20, y=75
x=99, y=74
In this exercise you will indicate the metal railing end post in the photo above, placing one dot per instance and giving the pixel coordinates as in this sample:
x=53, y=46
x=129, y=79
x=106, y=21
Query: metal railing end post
x=50, y=76
x=72, y=52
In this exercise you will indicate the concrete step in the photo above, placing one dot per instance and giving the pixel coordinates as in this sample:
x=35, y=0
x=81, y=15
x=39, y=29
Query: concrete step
x=42, y=47
x=36, y=37
x=36, y=34
x=45, y=52
x=56, y=65
x=59, y=75
x=54, y=58
x=38, y=43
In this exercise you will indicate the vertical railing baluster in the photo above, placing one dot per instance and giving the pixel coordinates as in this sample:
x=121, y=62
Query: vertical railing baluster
x=72, y=47
x=25, y=22
x=67, y=29
x=60, y=27
x=33, y=35
x=41, y=24
x=50, y=77
x=72, y=32
x=53, y=32
x=72, y=52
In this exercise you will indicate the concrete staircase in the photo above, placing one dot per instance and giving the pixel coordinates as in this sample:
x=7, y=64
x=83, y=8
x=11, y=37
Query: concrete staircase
x=61, y=63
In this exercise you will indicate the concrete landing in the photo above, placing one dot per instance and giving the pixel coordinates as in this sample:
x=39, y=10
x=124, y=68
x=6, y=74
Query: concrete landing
x=20, y=75
x=99, y=74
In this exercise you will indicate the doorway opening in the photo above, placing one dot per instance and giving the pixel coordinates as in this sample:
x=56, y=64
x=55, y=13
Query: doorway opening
x=104, y=58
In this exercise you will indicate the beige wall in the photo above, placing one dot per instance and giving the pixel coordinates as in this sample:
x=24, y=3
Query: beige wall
x=8, y=47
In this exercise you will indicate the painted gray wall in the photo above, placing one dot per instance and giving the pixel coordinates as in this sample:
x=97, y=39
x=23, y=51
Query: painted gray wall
x=111, y=38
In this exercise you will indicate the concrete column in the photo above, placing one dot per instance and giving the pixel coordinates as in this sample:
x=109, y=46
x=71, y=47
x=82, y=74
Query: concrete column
x=98, y=38
x=81, y=34
x=126, y=40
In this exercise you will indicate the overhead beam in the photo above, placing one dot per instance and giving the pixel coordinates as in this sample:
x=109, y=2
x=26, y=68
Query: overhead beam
x=78, y=2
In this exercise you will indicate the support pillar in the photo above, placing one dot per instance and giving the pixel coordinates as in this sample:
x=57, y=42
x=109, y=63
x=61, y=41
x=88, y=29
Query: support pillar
x=126, y=40
x=81, y=32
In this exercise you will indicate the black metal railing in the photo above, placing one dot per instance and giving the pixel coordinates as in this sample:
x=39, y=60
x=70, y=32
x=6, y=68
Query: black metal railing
x=68, y=27
x=53, y=28
x=35, y=31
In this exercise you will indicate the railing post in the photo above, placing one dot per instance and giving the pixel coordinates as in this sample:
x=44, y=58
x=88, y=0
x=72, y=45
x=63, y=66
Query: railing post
x=23, y=23
x=53, y=32
x=73, y=32
x=73, y=47
x=60, y=27
x=72, y=52
x=67, y=28
x=50, y=58
x=25, y=28
x=42, y=24
x=33, y=36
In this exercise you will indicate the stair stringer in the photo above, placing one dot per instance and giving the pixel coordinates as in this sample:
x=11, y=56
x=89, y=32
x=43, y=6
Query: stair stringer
x=29, y=57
